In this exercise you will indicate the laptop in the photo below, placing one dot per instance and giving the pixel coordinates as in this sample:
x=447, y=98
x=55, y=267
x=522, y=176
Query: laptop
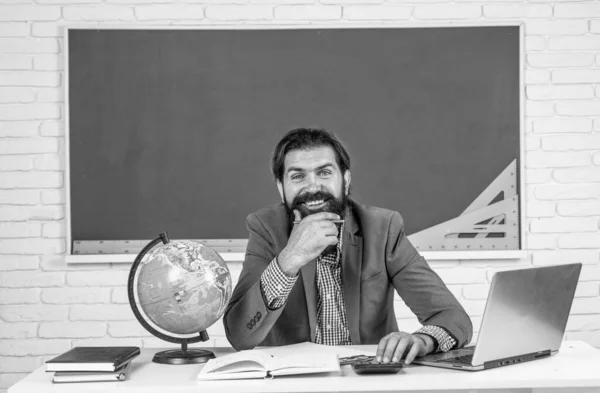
x=524, y=319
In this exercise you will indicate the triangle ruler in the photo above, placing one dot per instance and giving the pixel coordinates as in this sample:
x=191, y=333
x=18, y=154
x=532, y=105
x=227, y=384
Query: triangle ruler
x=490, y=222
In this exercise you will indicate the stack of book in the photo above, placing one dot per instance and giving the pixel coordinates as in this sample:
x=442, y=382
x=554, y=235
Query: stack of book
x=92, y=364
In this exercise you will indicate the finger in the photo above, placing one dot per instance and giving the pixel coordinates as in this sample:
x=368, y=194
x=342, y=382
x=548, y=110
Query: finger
x=322, y=216
x=328, y=228
x=416, y=347
x=390, y=349
x=381, y=347
x=297, y=216
x=400, y=349
x=329, y=241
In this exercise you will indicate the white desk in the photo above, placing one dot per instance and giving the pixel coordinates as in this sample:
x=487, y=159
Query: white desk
x=575, y=368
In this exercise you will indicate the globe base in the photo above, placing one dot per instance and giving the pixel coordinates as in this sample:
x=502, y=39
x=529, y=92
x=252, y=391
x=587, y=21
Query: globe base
x=178, y=356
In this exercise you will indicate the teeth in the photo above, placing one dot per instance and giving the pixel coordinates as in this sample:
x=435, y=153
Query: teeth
x=313, y=203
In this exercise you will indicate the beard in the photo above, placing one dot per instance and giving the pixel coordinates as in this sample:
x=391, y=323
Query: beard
x=331, y=205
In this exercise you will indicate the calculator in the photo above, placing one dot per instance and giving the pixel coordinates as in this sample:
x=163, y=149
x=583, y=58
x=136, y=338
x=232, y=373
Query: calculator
x=373, y=367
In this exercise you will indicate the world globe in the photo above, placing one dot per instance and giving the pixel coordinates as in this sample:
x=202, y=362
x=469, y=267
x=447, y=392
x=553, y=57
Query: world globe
x=176, y=290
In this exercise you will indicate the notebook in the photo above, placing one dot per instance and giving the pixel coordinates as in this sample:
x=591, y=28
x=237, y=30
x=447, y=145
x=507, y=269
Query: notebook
x=525, y=318
x=120, y=374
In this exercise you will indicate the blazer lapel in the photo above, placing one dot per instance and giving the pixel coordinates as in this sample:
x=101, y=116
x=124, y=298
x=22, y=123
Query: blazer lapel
x=309, y=274
x=351, y=269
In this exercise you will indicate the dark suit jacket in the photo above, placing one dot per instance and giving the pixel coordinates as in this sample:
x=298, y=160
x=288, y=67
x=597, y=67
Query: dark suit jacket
x=376, y=259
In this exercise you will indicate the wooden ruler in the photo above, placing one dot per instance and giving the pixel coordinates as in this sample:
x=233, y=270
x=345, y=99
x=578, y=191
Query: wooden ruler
x=133, y=247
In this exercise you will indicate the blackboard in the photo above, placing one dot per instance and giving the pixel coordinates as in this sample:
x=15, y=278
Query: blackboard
x=173, y=129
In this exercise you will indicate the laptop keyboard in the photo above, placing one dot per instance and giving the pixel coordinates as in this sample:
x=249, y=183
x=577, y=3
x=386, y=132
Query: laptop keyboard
x=464, y=359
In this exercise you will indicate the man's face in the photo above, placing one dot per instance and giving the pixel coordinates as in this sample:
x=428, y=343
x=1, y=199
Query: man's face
x=313, y=182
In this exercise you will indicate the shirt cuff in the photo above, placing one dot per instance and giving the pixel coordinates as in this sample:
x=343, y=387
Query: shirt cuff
x=442, y=338
x=276, y=285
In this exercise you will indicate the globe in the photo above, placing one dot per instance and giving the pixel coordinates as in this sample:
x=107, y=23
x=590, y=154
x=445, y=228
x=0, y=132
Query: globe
x=177, y=289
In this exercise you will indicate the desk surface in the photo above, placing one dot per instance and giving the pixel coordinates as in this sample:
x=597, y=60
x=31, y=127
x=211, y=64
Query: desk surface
x=575, y=366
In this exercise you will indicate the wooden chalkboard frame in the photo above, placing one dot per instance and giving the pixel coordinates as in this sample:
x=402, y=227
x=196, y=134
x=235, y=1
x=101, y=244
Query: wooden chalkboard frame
x=236, y=254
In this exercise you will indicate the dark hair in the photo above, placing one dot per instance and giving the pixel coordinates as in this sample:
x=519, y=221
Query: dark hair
x=307, y=139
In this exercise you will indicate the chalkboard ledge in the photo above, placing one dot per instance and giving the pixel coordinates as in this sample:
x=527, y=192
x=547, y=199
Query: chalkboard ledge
x=239, y=256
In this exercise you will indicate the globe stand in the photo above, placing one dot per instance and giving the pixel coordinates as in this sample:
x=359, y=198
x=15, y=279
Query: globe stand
x=185, y=355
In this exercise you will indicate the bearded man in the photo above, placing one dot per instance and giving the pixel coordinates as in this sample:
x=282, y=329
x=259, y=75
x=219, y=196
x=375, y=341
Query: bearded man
x=322, y=267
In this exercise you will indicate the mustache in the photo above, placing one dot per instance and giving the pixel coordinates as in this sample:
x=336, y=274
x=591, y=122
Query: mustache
x=309, y=197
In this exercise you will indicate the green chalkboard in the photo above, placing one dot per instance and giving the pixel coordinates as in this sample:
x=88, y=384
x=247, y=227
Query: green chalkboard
x=173, y=129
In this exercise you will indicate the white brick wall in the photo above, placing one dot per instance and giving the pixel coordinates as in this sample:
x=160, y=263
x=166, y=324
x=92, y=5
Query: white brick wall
x=47, y=307
x=175, y=11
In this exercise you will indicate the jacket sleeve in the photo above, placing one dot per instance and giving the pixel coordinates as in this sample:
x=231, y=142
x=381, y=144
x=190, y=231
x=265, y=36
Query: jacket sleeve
x=247, y=319
x=421, y=288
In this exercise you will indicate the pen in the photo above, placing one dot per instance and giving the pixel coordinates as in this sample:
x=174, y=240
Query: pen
x=333, y=221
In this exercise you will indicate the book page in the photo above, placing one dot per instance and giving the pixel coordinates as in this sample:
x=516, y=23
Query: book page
x=242, y=361
x=230, y=376
x=300, y=358
x=300, y=348
x=341, y=350
x=304, y=362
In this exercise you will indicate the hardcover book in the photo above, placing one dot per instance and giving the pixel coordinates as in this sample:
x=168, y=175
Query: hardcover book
x=120, y=374
x=92, y=359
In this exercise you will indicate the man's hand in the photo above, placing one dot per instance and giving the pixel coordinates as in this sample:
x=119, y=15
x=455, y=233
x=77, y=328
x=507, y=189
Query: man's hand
x=307, y=241
x=393, y=346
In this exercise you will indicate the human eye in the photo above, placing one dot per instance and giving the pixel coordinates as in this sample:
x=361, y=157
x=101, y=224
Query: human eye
x=297, y=176
x=324, y=172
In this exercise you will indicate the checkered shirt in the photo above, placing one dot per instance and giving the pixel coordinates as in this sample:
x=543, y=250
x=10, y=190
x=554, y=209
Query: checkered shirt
x=443, y=341
x=332, y=323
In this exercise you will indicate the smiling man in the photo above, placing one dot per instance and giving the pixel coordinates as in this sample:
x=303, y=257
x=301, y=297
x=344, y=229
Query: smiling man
x=321, y=267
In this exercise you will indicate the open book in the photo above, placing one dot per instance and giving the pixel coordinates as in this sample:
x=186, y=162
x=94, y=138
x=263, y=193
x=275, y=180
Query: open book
x=265, y=363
